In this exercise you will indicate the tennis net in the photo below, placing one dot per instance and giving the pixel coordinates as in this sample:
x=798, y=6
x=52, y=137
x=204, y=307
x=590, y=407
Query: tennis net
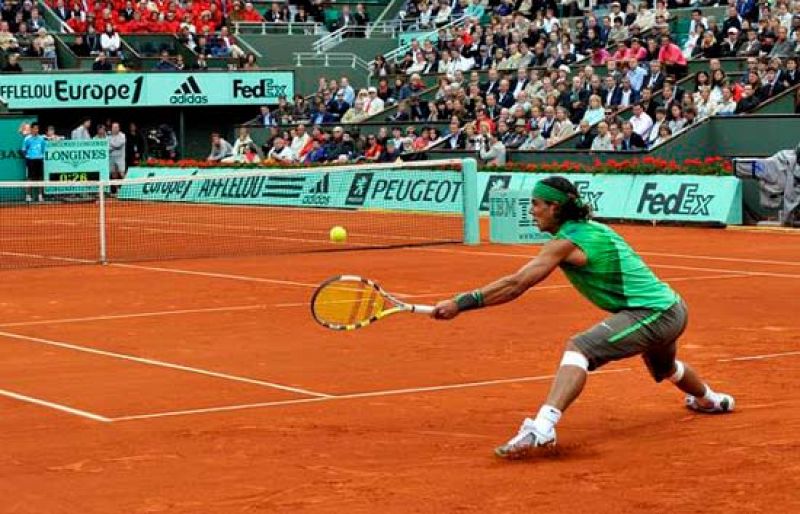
x=173, y=213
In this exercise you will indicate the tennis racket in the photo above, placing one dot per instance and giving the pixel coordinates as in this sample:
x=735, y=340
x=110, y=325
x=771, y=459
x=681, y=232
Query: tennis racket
x=348, y=302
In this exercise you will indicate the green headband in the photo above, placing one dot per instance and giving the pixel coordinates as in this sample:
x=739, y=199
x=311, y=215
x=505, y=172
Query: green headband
x=549, y=194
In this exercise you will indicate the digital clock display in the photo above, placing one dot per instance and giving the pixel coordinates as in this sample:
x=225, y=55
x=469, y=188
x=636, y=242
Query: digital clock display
x=74, y=176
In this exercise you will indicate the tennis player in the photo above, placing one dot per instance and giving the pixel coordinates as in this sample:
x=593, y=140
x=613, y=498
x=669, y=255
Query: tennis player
x=648, y=316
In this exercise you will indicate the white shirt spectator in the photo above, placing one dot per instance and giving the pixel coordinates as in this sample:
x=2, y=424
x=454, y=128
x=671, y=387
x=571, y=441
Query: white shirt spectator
x=298, y=143
x=726, y=108
x=80, y=133
x=642, y=124
x=285, y=154
x=653, y=135
x=693, y=24
x=495, y=155
x=373, y=105
x=110, y=43
x=603, y=143
x=549, y=23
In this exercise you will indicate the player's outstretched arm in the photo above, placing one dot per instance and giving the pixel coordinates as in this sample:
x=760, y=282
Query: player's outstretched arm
x=511, y=286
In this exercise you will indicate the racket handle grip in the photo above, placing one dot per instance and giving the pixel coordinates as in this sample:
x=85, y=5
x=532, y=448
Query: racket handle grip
x=422, y=309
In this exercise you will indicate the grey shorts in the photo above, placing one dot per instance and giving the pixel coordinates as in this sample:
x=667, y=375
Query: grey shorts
x=651, y=333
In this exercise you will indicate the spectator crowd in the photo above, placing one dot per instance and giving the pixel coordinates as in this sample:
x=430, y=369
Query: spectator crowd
x=508, y=85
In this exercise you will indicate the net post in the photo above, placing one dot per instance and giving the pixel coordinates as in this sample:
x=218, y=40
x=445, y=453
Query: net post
x=472, y=228
x=102, y=222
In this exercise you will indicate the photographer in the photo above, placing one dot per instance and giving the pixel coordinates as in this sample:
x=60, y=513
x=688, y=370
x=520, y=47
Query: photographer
x=492, y=150
x=163, y=143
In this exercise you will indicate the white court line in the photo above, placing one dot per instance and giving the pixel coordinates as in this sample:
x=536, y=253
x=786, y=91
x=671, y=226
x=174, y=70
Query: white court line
x=53, y=405
x=369, y=394
x=49, y=257
x=665, y=266
x=211, y=274
x=725, y=259
x=759, y=357
x=228, y=276
x=132, y=315
x=235, y=308
x=162, y=364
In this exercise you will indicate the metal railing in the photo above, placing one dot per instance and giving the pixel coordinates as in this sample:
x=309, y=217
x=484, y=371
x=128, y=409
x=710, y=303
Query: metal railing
x=332, y=39
x=290, y=29
x=330, y=59
x=401, y=50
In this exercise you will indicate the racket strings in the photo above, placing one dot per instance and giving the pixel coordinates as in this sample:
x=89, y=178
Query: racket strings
x=347, y=303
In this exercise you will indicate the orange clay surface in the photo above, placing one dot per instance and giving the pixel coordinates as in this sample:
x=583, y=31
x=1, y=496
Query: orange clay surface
x=131, y=389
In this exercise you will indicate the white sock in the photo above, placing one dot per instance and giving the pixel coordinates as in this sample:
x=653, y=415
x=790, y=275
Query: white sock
x=546, y=419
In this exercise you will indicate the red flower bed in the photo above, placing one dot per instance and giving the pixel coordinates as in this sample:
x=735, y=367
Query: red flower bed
x=635, y=166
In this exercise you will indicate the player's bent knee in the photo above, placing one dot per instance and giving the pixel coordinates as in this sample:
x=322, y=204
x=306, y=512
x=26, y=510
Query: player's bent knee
x=680, y=369
x=577, y=359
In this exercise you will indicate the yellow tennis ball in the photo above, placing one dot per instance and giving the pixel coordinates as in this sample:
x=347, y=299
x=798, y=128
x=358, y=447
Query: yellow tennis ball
x=338, y=234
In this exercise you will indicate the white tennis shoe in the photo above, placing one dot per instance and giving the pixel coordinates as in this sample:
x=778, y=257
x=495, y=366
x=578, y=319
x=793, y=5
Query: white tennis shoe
x=526, y=442
x=724, y=403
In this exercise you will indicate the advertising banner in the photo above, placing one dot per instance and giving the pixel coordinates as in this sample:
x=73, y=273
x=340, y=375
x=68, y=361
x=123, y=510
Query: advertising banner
x=87, y=90
x=510, y=219
x=644, y=197
x=404, y=190
x=12, y=162
x=686, y=198
x=607, y=194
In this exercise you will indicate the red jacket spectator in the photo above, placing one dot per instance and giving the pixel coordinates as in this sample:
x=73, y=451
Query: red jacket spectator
x=250, y=14
x=671, y=54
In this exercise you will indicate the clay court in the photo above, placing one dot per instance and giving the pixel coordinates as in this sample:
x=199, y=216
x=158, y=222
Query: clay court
x=204, y=385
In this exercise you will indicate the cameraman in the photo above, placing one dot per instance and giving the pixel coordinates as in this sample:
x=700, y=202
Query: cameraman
x=491, y=150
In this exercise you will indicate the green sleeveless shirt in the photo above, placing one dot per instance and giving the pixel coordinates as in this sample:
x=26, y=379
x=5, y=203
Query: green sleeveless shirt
x=615, y=277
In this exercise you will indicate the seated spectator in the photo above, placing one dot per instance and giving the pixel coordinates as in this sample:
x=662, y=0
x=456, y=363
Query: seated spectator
x=783, y=46
x=110, y=41
x=655, y=131
x=220, y=149
x=677, y=120
x=101, y=63
x=355, y=114
x=749, y=100
x=165, y=63
x=391, y=153
x=672, y=58
x=708, y=47
x=250, y=62
x=281, y=153
x=200, y=64
x=772, y=85
x=12, y=64
x=595, y=112
x=631, y=141
x=664, y=133
x=751, y=47
x=791, y=76
x=585, y=136
x=705, y=105
x=534, y=141
x=727, y=105
x=243, y=148
x=225, y=45
x=300, y=110
x=641, y=121
x=603, y=142
x=79, y=46
x=562, y=128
